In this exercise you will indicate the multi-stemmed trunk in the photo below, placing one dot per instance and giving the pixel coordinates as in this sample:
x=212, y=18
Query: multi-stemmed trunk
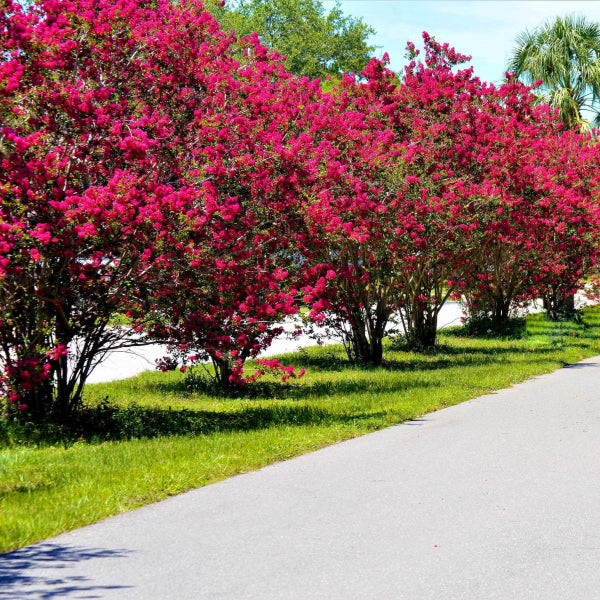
x=500, y=309
x=365, y=343
x=365, y=330
x=422, y=331
x=557, y=304
x=223, y=371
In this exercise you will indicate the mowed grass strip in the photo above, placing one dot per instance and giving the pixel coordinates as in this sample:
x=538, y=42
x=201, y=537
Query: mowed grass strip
x=158, y=438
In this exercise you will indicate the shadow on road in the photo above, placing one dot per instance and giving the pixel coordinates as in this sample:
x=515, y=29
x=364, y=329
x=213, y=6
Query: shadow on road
x=22, y=572
x=580, y=365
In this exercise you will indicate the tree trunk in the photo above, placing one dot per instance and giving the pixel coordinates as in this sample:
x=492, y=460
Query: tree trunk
x=557, y=305
x=568, y=304
x=366, y=343
x=63, y=403
x=376, y=350
x=223, y=372
x=501, y=309
x=367, y=350
x=422, y=329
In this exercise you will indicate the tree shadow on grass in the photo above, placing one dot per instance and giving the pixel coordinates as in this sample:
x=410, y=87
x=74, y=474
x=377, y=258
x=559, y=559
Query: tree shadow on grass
x=587, y=328
x=355, y=378
x=560, y=330
x=580, y=365
x=134, y=421
x=115, y=423
x=46, y=570
x=440, y=357
x=108, y=421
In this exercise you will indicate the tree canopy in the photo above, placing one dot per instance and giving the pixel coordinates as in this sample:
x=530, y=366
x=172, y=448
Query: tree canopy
x=156, y=167
x=315, y=42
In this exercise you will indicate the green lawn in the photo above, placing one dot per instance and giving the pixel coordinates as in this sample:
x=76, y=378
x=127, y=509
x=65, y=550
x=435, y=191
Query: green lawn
x=154, y=437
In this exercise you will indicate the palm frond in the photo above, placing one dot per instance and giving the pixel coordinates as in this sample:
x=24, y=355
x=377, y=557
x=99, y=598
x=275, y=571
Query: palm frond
x=565, y=56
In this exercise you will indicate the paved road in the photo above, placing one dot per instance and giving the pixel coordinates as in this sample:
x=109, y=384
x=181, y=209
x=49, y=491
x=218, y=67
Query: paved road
x=494, y=498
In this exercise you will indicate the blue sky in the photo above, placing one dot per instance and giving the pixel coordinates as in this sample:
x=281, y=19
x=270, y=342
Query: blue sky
x=485, y=29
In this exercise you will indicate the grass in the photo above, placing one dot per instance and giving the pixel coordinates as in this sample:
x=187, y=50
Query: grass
x=156, y=437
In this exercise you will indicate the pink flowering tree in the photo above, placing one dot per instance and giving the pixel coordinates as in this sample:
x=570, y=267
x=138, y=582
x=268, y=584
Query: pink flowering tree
x=118, y=132
x=391, y=222
x=543, y=239
x=397, y=218
x=513, y=239
x=432, y=188
x=571, y=208
x=343, y=240
x=236, y=278
x=442, y=133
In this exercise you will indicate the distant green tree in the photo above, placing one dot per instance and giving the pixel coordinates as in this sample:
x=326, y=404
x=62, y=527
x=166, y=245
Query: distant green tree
x=565, y=55
x=314, y=42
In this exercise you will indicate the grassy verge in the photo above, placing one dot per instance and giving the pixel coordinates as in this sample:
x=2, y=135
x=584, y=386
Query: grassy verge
x=155, y=437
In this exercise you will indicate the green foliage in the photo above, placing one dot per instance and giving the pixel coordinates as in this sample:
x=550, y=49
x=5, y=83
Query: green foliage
x=565, y=55
x=315, y=43
x=155, y=437
x=483, y=324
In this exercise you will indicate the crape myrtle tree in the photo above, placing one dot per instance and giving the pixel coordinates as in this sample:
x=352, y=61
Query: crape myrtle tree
x=393, y=221
x=343, y=242
x=562, y=56
x=570, y=208
x=543, y=239
x=515, y=234
x=105, y=184
x=237, y=280
x=82, y=188
x=506, y=148
x=398, y=223
x=442, y=124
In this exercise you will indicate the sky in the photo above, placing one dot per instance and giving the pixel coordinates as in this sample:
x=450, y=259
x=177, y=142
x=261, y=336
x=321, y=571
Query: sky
x=484, y=29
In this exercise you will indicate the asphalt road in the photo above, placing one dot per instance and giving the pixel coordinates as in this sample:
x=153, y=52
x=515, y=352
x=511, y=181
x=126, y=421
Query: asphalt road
x=498, y=497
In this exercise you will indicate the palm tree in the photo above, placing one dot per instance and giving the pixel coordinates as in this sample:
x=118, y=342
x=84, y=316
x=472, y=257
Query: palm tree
x=565, y=55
